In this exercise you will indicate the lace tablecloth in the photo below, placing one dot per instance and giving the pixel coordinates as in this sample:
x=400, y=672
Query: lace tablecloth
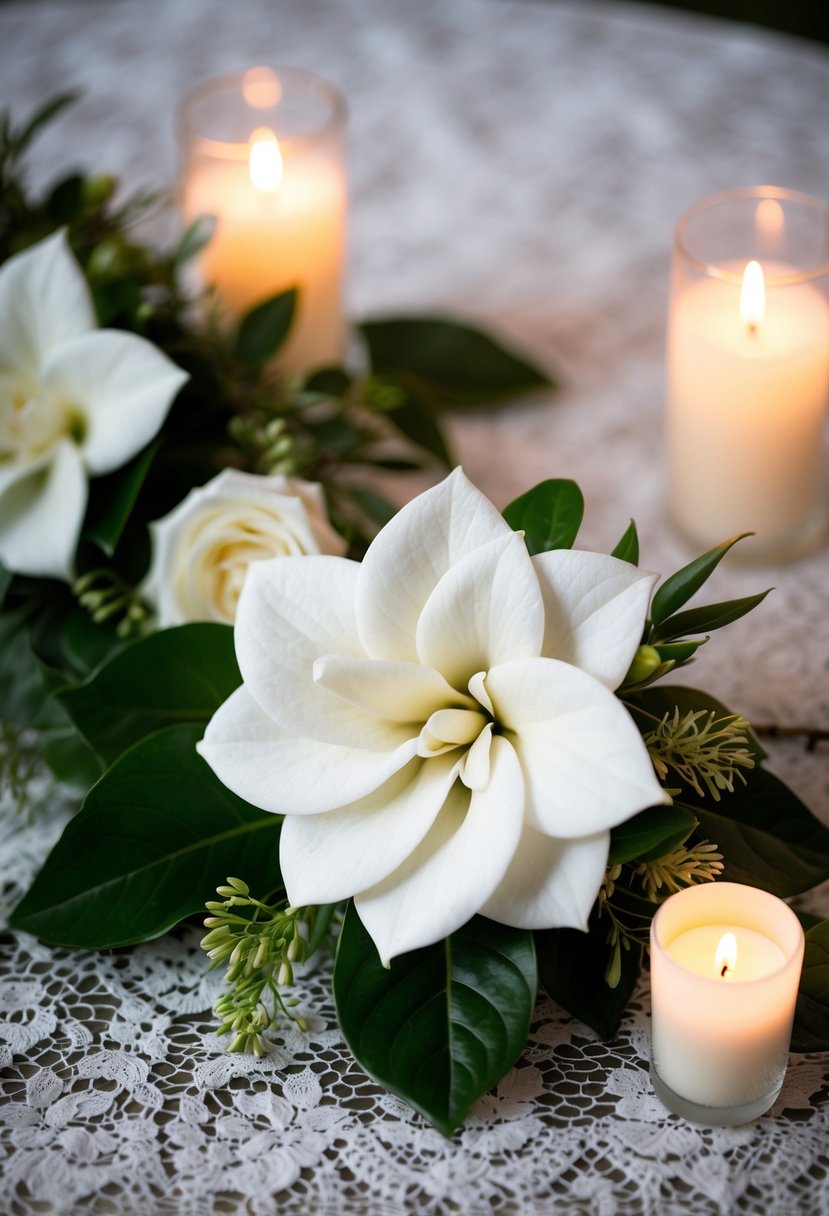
x=521, y=164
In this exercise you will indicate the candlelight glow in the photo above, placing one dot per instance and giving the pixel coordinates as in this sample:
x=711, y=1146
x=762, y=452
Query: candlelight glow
x=753, y=296
x=261, y=88
x=769, y=219
x=265, y=160
x=725, y=960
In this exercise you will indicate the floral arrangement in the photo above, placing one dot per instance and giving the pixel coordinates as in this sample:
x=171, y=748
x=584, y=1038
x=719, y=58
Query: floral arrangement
x=443, y=752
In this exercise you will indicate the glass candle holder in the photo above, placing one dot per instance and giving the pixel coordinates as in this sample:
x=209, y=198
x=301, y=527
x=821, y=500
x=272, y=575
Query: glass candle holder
x=263, y=154
x=748, y=371
x=725, y=969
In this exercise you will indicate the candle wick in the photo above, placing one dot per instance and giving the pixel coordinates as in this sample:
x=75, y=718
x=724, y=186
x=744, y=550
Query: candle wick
x=724, y=969
x=752, y=328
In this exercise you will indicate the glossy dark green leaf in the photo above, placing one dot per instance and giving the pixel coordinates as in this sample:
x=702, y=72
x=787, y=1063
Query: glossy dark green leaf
x=627, y=549
x=151, y=842
x=69, y=757
x=463, y=365
x=442, y=1025
x=21, y=677
x=767, y=836
x=112, y=499
x=678, y=588
x=196, y=236
x=416, y=417
x=549, y=515
x=650, y=706
x=811, y=1019
x=707, y=618
x=650, y=834
x=175, y=675
x=264, y=329
x=65, y=199
x=329, y=381
x=571, y=970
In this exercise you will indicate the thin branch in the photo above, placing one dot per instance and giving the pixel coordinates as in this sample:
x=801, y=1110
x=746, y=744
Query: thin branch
x=773, y=730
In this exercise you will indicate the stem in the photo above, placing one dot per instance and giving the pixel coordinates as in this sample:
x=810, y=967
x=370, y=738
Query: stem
x=773, y=730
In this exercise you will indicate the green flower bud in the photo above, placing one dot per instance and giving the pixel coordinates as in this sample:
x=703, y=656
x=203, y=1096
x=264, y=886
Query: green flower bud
x=645, y=662
x=98, y=189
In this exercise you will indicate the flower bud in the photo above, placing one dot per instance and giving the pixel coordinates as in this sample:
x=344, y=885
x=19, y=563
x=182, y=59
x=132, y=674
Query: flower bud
x=645, y=662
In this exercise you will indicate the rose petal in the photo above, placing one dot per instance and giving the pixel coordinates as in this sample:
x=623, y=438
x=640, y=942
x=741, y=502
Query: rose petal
x=583, y=759
x=44, y=301
x=595, y=607
x=279, y=772
x=485, y=610
x=399, y=692
x=407, y=559
x=329, y=857
x=456, y=868
x=293, y=611
x=41, y=513
x=121, y=387
x=550, y=884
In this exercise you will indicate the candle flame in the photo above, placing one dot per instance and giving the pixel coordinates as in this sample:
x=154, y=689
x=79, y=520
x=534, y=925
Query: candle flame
x=753, y=296
x=265, y=160
x=725, y=960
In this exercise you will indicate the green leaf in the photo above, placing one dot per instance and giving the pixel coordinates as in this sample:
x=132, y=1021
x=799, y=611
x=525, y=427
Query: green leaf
x=323, y=916
x=811, y=1018
x=65, y=199
x=462, y=365
x=651, y=834
x=417, y=418
x=6, y=577
x=149, y=845
x=196, y=236
x=329, y=381
x=571, y=968
x=377, y=508
x=176, y=675
x=627, y=549
x=66, y=752
x=651, y=705
x=40, y=118
x=678, y=588
x=441, y=1025
x=767, y=836
x=112, y=498
x=21, y=677
x=265, y=328
x=549, y=515
x=707, y=618
x=679, y=652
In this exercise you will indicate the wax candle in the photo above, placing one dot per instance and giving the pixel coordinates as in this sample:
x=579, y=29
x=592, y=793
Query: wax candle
x=263, y=155
x=748, y=373
x=725, y=968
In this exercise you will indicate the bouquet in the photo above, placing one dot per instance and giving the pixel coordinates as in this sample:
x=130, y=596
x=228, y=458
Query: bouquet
x=446, y=752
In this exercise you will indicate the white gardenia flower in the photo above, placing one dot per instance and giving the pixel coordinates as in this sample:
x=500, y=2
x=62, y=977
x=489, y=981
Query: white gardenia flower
x=202, y=549
x=75, y=401
x=438, y=723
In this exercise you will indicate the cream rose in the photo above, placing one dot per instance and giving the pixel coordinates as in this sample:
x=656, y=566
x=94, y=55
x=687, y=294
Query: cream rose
x=202, y=549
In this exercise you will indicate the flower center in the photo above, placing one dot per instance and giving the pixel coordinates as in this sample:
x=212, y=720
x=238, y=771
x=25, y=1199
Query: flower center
x=448, y=729
x=32, y=422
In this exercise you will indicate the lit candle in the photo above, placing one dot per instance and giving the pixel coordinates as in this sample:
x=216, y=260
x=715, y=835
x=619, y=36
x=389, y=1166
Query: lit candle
x=748, y=377
x=725, y=968
x=278, y=193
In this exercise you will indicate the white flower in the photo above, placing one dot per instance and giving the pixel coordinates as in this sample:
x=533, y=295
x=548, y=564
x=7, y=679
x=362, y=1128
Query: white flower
x=75, y=402
x=438, y=723
x=202, y=549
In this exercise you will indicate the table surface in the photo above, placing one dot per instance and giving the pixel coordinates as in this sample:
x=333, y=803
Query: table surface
x=520, y=164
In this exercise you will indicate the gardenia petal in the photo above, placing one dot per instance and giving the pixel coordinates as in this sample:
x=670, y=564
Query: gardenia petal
x=44, y=301
x=487, y=608
x=41, y=513
x=583, y=759
x=292, y=611
x=595, y=607
x=398, y=692
x=120, y=385
x=326, y=858
x=550, y=884
x=411, y=554
x=455, y=869
x=279, y=772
